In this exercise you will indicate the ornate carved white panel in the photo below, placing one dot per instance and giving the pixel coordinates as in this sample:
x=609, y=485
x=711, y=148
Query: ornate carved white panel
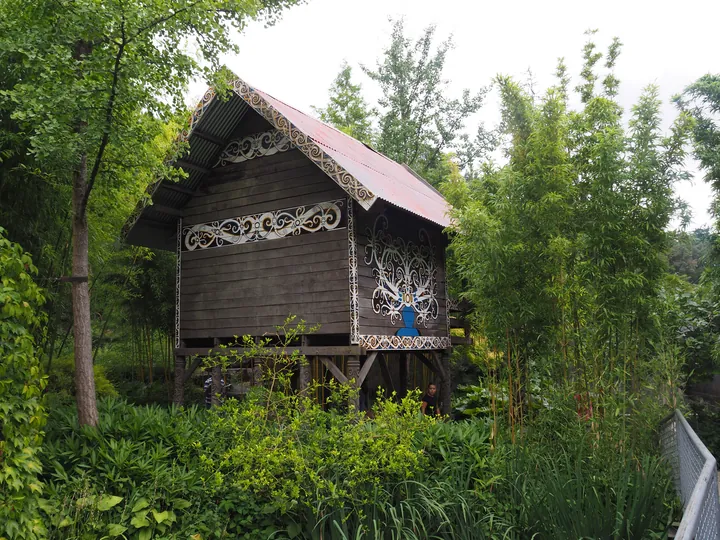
x=393, y=343
x=353, y=266
x=405, y=274
x=177, y=282
x=256, y=145
x=324, y=216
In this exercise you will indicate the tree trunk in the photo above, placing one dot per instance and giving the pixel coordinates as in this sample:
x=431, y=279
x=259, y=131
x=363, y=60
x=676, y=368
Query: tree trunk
x=84, y=377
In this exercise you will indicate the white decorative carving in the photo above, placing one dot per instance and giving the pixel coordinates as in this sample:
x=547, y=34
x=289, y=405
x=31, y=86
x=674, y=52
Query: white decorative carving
x=353, y=265
x=273, y=225
x=405, y=274
x=392, y=343
x=177, y=282
x=266, y=143
x=303, y=142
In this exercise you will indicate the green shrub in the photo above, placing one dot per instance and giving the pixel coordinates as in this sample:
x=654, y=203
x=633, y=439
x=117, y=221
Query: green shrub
x=22, y=415
x=568, y=496
x=131, y=475
x=61, y=380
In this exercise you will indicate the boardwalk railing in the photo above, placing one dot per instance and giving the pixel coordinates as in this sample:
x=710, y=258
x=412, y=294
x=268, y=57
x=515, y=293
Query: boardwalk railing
x=695, y=476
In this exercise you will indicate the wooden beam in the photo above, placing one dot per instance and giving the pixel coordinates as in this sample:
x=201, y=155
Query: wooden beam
x=193, y=367
x=441, y=367
x=185, y=164
x=217, y=141
x=170, y=211
x=306, y=351
x=173, y=186
x=339, y=375
x=366, y=367
x=420, y=356
x=386, y=374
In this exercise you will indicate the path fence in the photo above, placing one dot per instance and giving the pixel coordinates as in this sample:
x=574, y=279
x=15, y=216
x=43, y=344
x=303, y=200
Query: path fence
x=695, y=475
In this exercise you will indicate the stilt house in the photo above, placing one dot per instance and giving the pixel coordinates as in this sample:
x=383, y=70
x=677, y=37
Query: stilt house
x=282, y=214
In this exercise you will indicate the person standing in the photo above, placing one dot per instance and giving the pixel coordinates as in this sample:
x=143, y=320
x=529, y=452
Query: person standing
x=207, y=388
x=428, y=405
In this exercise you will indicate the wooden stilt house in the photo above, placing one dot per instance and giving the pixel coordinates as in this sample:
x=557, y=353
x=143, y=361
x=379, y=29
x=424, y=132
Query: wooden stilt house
x=282, y=214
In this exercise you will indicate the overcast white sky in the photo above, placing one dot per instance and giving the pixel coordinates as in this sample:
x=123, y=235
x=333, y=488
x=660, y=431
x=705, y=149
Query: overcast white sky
x=666, y=43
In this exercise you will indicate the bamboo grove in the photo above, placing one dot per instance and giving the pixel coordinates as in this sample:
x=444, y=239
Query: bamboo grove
x=562, y=250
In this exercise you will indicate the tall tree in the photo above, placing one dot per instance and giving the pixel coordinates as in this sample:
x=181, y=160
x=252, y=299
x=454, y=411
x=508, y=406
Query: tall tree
x=418, y=121
x=563, y=249
x=346, y=109
x=91, y=85
x=702, y=100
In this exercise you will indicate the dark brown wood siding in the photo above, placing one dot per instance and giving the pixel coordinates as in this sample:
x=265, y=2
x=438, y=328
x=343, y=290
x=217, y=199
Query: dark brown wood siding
x=404, y=225
x=252, y=288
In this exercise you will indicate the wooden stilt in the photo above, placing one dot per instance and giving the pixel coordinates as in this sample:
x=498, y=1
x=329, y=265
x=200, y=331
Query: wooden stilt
x=304, y=375
x=353, y=375
x=387, y=378
x=404, y=374
x=216, y=385
x=179, y=386
x=442, y=360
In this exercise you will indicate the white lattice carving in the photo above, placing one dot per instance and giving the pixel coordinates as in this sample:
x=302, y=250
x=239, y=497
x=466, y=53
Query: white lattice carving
x=353, y=266
x=256, y=145
x=273, y=225
x=178, y=263
x=392, y=343
x=405, y=274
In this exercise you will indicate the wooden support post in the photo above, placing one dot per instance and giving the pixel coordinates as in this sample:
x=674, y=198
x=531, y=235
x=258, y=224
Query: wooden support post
x=353, y=375
x=189, y=372
x=369, y=361
x=179, y=389
x=387, y=378
x=332, y=367
x=424, y=359
x=442, y=359
x=216, y=373
x=404, y=374
x=216, y=385
x=304, y=375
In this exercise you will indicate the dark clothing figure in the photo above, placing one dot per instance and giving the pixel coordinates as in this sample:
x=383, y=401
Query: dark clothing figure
x=207, y=387
x=430, y=408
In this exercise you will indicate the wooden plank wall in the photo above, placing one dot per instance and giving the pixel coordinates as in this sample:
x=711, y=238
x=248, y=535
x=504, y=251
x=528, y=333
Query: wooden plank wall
x=405, y=225
x=251, y=288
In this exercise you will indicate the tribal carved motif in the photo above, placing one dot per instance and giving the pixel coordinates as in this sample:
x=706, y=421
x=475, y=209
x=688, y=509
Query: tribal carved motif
x=256, y=145
x=306, y=145
x=406, y=277
x=178, y=266
x=353, y=265
x=324, y=216
x=197, y=114
x=392, y=343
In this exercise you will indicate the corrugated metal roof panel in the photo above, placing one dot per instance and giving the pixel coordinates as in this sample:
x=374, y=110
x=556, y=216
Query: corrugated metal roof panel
x=203, y=153
x=381, y=175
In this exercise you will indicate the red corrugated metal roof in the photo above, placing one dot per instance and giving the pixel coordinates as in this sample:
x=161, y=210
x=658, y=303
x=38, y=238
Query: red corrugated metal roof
x=387, y=179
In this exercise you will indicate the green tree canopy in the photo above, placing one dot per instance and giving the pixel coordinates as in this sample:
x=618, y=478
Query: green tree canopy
x=91, y=84
x=418, y=121
x=563, y=249
x=346, y=109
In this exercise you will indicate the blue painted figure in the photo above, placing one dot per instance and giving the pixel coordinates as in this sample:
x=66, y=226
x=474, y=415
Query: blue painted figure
x=408, y=318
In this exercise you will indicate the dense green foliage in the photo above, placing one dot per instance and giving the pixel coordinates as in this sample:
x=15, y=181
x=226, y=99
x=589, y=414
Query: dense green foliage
x=237, y=472
x=346, y=109
x=562, y=250
x=587, y=314
x=22, y=415
x=89, y=89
